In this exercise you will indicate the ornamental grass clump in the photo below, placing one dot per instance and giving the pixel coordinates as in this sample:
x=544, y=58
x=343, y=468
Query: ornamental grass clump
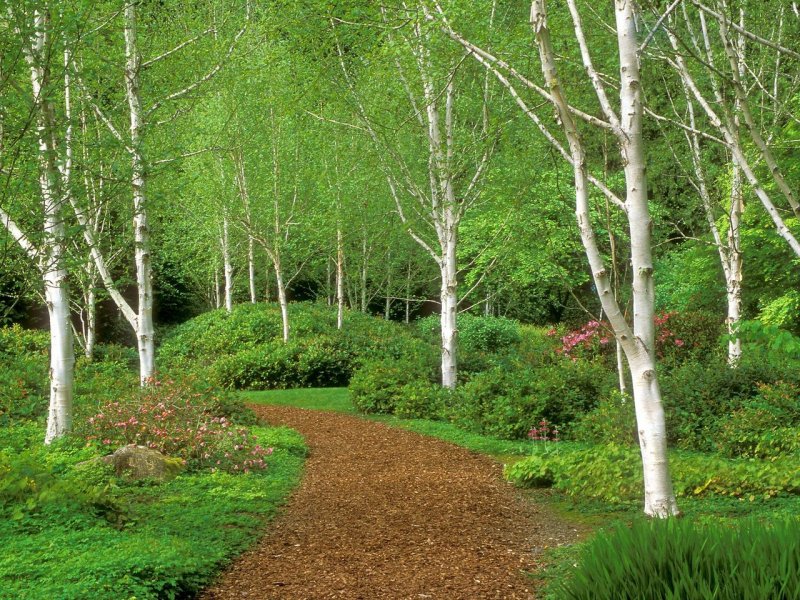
x=179, y=421
x=686, y=560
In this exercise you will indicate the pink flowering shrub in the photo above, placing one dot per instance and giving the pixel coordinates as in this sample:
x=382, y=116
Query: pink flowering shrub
x=597, y=338
x=176, y=420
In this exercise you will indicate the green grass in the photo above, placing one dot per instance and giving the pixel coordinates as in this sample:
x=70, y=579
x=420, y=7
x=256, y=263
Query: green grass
x=330, y=399
x=176, y=535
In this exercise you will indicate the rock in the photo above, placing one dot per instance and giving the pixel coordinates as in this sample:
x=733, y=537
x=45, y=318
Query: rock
x=141, y=462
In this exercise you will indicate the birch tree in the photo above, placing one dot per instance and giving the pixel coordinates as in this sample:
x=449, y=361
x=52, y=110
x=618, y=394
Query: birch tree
x=625, y=124
x=47, y=248
x=431, y=212
x=141, y=119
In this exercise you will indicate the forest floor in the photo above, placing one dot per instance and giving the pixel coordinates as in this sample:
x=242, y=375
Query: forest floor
x=388, y=513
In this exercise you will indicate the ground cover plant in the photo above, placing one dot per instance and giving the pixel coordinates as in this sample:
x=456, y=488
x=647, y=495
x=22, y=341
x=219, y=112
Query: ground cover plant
x=72, y=528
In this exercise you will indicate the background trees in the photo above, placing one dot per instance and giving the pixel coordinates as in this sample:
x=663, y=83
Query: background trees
x=399, y=161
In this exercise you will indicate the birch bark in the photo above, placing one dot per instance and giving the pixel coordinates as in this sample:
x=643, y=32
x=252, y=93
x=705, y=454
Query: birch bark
x=145, y=330
x=637, y=342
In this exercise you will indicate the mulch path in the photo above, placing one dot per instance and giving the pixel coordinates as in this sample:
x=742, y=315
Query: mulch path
x=387, y=513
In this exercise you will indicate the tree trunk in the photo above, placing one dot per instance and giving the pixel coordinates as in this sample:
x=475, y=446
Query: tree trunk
x=364, y=266
x=339, y=278
x=408, y=295
x=659, y=496
x=51, y=259
x=282, y=300
x=217, y=295
x=145, y=333
x=638, y=343
x=251, y=268
x=734, y=271
x=226, y=262
x=449, y=300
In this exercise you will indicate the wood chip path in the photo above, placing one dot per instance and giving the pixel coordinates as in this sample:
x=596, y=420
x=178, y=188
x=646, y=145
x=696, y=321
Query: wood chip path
x=385, y=513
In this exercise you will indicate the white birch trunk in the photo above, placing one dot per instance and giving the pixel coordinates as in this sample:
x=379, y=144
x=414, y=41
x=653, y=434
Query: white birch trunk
x=227, y=266
x=638, y=344
x=251, y=268
x=339, y=278
x=52, y=263
x=282, y=300
x=734, y=270
x=659, y=496
x=217, y=294
x=145, y=330
x=449, y=300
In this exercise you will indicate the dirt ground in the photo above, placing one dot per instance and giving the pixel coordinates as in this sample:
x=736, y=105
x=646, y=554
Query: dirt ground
x=387, y=513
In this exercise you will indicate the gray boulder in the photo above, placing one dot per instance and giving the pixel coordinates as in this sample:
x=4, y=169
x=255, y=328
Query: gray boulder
x=141, y=462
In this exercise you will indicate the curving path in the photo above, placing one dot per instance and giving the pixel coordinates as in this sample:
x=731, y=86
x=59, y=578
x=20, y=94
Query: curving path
x=387, y=513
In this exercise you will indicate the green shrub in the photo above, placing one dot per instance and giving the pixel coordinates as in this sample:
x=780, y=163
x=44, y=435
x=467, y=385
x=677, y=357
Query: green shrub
x=613, y=420
x=674, y=558
x=756, y=430
x=505, y=401
x=31, y=485
x=378, y=385
x=16, y=341
x=245, y=349
x=476, y=333
x=421, y=400
x=696, y=395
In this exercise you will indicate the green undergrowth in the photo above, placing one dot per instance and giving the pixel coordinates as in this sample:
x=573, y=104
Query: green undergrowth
x=109, y=539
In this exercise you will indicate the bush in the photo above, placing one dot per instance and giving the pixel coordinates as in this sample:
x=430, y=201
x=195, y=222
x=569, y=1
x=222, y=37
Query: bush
x=245, y=349
x=764, y=427
x=378, y=385
x=176, y=420
x=613, y=420
x=506, y=401
x=31, y=485
x=475, y=334
x=697, y=395
x=674, y=558
x=421, y=400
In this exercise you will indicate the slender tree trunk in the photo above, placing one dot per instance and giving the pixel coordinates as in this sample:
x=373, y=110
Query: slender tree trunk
x=388, y=305
x=145, y=332
x=251, y=268
x=339, y=278
x=217, y=295
x=408, y=295
x=364, y=267
x=659, y=496
x=734, y=271
x=90, y=336
x=638, y=343
x=282, y=300
x=449, y=300
x=52, y=257
x=226, y=263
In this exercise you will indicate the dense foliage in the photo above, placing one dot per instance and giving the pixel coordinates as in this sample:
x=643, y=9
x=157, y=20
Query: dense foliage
x=748, y=560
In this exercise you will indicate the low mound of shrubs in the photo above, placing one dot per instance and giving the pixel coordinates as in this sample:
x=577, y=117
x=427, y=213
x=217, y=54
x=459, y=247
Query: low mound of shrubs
x=179, y=420
x=613, y=473
x=678, y=558
x=245, y=349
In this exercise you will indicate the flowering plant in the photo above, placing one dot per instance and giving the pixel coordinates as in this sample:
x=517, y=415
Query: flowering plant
x=176, y=420
x=595, y=336
x=544, y=433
